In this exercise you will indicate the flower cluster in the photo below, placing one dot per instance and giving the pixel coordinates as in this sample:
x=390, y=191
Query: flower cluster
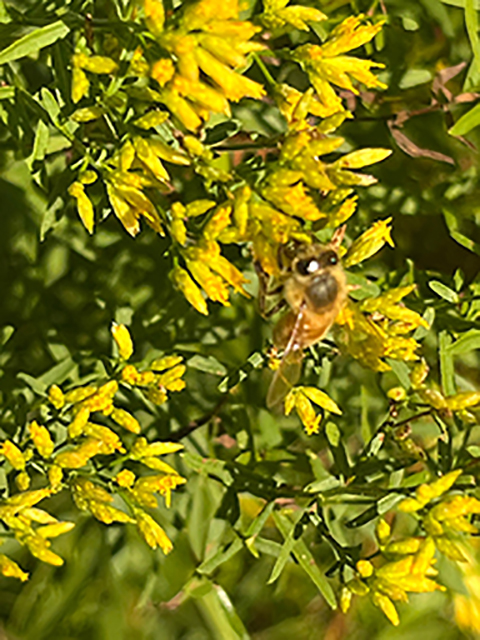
x=206, y=49
x=301, y=398
x=326, y=65
x=89, y=416
x=377, y=328
x=408, y=563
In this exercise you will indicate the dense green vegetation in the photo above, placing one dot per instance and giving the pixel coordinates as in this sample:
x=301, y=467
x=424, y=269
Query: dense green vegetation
x=155, y=158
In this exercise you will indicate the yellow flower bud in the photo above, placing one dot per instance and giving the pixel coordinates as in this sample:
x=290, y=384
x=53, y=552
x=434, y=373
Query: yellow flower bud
x=433, y=397
x=463, y=400
x=80, y=85
x=76, y=427
x=124, y=341
x=130, y=374
x=386, y=605
x=41, y=439
x=321, y=399
x=13, y=454
x=365, y=568
x=371, y=241
x=154, y=16
x=126, y=420
x=345, y=599
x=189, y=289
x=55, y=476
x=10, y=569
x=56, y=397
x=397, y=394
x=403, y=547
x=125, y=478
x=167, y=362
x=96, y=64
x=382, y=531
x=152, y=532
x=22, y=481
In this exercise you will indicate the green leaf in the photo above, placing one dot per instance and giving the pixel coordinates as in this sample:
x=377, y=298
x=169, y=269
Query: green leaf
x=304, y=558
x=208, y=365
x=221, y=616
x=443, y=291
x=401, y=370
x=467, y=122
x=461, y=3
x=6, y=333
x=40, y=144
x=466, y=343
x=34, y=41
x=220, y=557
x=471, y=22
x=7, y=92
x=447, y=371
x=59, y=373
x=363, y=518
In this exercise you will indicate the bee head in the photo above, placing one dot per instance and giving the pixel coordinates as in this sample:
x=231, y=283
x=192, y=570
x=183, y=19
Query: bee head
x=320, y=260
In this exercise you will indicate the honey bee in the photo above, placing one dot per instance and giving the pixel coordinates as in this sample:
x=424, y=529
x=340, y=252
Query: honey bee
x=315, y=290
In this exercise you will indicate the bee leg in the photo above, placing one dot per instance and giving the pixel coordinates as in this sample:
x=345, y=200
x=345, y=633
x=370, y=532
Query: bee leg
x=281, y=304
x=264, y=292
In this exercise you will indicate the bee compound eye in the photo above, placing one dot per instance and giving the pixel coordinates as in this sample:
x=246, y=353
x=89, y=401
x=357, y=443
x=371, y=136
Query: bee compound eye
x=307, y=266
x=329, y=259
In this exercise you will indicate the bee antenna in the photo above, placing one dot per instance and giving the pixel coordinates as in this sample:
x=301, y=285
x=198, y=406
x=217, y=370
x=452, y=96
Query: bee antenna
x=338, y=236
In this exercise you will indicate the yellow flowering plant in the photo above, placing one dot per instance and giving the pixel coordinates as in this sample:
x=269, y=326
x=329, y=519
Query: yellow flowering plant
x=177, y=156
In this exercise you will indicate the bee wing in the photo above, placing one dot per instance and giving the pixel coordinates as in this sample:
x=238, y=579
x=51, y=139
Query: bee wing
x=288, y=373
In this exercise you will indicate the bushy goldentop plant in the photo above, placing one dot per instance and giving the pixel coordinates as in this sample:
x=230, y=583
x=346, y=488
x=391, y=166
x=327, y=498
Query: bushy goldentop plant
x=147, y=118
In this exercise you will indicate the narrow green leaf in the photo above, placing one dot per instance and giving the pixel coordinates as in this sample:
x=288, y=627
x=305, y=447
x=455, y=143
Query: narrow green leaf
x=471, y=22
x=447, y=371
x=268, y=547
x=467, y=122
x=208, y=365
x=34, y=41
x=221, y=616
x=6, y=333
x=7, y=92
x=59, y=373
x=443, y=291
x=258, y=523
x=40, y=143
x=461, y=3
x=467, y=342
x=305, y=559
x=363, y=518
x=36, y=385
x=220, y=557
x=50, y=104
x=401, y=370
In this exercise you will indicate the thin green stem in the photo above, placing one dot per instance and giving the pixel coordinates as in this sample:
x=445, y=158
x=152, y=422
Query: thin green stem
x=263, y=68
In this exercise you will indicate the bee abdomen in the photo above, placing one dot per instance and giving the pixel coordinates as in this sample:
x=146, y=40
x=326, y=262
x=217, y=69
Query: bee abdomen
x=322, y=291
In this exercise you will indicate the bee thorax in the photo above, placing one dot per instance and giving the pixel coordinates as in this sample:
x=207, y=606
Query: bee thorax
x=322, y=290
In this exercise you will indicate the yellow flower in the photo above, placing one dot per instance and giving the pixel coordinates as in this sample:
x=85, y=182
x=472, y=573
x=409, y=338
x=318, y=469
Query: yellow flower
x=125, y=420
x=41, y=439
x=278, y=17
x=13, y=454
x=10, y=569
x=84, y=205
x=152, y=532
x=154, y=15
x=371, y=241
x=326, y=65
x=189, y=289
x=123, y=339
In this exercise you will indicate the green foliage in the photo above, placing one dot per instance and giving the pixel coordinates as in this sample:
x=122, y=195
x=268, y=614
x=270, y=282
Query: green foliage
x=156, y=160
